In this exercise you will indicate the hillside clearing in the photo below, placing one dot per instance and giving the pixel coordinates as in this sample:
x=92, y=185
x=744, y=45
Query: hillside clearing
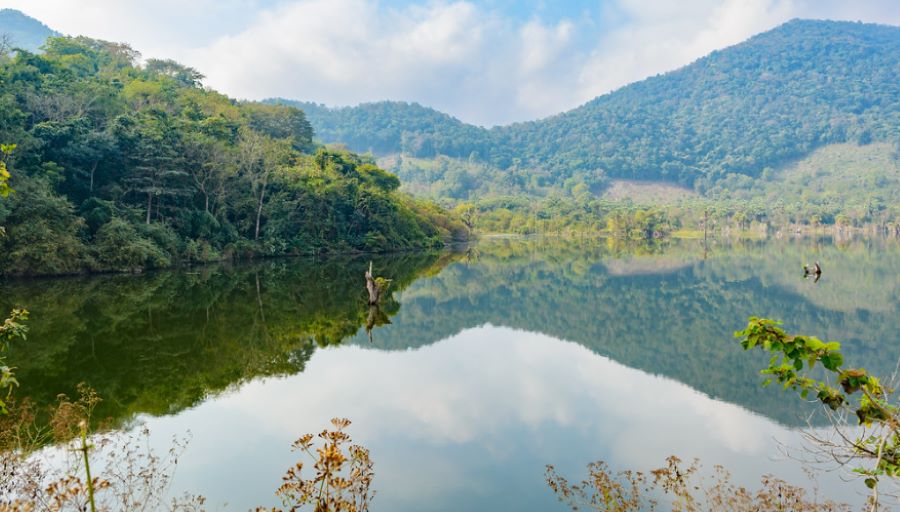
x=646, y=192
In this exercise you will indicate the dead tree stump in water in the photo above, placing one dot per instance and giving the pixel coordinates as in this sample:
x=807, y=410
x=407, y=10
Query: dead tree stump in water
x=376, y=287
x=372, y=287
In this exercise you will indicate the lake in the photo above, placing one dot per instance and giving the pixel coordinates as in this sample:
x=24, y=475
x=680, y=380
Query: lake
x=485, y=363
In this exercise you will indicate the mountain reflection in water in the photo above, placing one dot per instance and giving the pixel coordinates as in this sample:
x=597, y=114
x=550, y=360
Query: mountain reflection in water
x=496, y=362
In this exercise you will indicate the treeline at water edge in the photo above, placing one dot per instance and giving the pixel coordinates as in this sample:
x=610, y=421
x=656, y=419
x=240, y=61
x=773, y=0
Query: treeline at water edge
x=118, y=165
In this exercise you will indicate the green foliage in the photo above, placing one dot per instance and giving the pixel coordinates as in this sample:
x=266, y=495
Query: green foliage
x=42, y=232
x=120, y=247
x=860, y=392
x=124, y=166
x=843, y=184
x=280, y=122
x=640, y=224
x=11, y=329
x=382, y=285
x=567, y=216
x=393, y=127
x=5, y=151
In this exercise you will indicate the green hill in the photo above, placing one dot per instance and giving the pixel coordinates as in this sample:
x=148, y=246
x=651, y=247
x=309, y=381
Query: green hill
x=392, y=127
x=121, y=165
x=736, y=112
x=23, y=31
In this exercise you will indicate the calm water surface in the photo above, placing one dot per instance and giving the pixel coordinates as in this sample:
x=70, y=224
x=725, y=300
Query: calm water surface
x=481, y=368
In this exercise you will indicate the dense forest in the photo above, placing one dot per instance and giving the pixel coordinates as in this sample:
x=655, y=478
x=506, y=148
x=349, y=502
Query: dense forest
x=118, y=165
x=739, y=112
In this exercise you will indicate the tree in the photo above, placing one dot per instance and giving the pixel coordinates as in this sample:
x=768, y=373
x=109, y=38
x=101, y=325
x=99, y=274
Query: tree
x=467, y=212
x=5, y=151
x=259, y=157
x=123, y=165
x=281, y=122
x=182, y=74
x=11, y=329
x=151, y=143
x=210, y=163
x=42, y=232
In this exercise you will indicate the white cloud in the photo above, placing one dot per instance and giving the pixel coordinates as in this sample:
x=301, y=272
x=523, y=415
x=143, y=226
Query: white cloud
x=347, y=51
x=464, y=57
x=656, y=39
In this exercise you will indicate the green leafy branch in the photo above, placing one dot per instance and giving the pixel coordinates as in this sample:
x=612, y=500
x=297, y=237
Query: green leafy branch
x=5, y=151
x=794, y=357
x=11, y=329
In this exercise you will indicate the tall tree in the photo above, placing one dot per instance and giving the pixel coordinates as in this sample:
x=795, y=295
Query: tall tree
x=259, y=158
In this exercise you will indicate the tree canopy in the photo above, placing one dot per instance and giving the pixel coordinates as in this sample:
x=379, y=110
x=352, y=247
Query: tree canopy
x=122, y=166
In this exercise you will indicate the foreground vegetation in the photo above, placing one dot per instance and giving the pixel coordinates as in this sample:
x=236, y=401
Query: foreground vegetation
x=123, y=166
x=871, y=453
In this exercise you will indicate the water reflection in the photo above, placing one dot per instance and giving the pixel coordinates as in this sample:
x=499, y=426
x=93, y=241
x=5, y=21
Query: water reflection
x=479, y=368
x=159, y=343
x=667, y=313
x=163, y=342
x=468, y=423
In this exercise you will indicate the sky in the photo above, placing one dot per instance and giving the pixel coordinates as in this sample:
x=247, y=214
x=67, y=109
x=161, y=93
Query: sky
x=486, y=62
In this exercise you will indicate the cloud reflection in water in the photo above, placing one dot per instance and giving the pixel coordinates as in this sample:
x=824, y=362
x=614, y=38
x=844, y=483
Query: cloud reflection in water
x=469, y=423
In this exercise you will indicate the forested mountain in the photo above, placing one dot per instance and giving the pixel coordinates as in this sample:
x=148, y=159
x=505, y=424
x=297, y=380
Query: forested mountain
x=737, y=111
x=391, y=127
x=118, y=165
x=23, y=31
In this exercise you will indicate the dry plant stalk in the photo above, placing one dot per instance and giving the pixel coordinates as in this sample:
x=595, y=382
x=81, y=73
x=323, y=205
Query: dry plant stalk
x=682, y=489
x=343, y=474
x=134, y=478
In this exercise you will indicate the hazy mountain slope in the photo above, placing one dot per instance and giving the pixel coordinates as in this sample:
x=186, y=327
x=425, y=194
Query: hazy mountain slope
x=24, y=31
x=393, y=127
x=758, y=104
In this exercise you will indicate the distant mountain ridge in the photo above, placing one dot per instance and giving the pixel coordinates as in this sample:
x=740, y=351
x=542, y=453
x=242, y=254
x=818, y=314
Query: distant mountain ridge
x=24, y=31
x=738, y=111
x=392, y=127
